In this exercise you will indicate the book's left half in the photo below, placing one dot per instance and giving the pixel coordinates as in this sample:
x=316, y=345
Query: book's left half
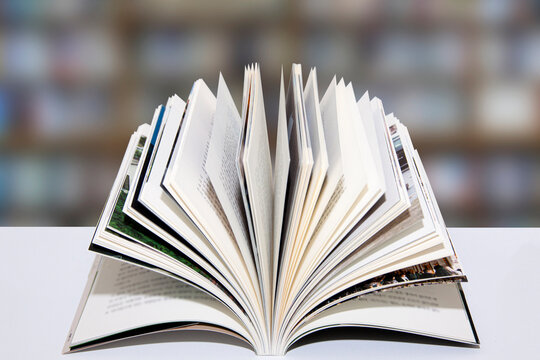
x=201, y=297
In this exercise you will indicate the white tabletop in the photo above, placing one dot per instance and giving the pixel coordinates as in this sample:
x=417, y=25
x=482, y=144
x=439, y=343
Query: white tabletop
x=44, y=270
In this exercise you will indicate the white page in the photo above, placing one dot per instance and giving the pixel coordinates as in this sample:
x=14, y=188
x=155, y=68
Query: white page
x=160, y=202
x=221, y=167
x=245, y=92
x=125, y=297
x=334, y=174
x=247, y=113
x=188, y=183
x=411, y=240
x=415, y=226
x=338, y=199
x=394, y=202
x=395, y=199
x=172, y=111
x=247, y=110
x=299, y=175
x=258, y=176
x=301, y=156
x=119, y=242
x=433, y=310
x=138, y=173
x=153, y=196
x=281, y=173
x=362, y=185
x=158, y=262
x=370, y=160
x=318, y=146
x=132, y=207
x=320, y=162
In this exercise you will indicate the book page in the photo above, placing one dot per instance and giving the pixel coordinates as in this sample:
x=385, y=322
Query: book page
x=132, y=242
x=247, y=111
x=187, y=236
x=320, y=162
x=156, y=199
x=408, y=240
x=258, y=176
x=394, y=201
x=362, y=185
x=335, y=173
x=125, y=297
x=281, y=174
x=301, y=164
x=133, y=206
x=430, y=228
x=301, y=156
x=433, y=310
x=403, y=230
x=442, y=270
x=221, y=167
x=188, y=182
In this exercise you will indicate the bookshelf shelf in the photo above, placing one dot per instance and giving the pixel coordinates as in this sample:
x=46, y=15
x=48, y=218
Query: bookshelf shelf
x=434, y=50
x=79, y=143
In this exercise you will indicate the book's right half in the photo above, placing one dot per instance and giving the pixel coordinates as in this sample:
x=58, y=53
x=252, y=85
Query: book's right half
x=432, y=310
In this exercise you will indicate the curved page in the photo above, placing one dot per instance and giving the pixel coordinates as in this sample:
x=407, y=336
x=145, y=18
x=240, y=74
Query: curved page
x=125, y=297
x=432, y=310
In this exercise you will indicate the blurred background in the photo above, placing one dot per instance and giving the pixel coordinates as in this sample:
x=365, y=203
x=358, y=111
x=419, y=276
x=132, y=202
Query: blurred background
x=78, y=76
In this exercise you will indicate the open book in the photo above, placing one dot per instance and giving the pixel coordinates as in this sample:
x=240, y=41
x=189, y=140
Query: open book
x=211, y=226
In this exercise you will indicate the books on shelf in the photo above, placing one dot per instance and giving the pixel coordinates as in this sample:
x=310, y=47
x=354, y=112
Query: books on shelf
x=210, y=226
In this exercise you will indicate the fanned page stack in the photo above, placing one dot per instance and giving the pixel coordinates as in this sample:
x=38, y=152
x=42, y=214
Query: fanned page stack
x=211, y=226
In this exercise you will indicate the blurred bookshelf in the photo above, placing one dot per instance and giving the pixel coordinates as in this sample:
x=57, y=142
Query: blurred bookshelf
x=78, y=76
